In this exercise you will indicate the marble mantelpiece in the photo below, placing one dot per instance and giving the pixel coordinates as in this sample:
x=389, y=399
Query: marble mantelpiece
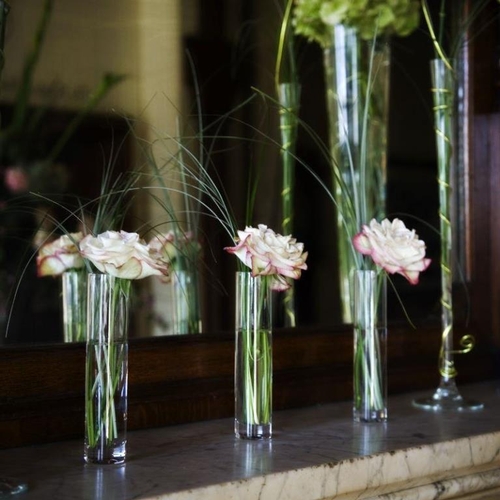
x=316, y=453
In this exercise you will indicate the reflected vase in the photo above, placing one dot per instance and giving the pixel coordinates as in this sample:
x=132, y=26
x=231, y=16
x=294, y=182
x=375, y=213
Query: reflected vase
x=186, y=302
x=370, y=347
x=74, y=305
x=357, y=89
x=253, y=364
x=447, y=106
x=106, y=370
x=289, y=101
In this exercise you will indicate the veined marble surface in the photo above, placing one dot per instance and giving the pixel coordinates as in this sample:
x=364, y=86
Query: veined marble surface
x=315, y=453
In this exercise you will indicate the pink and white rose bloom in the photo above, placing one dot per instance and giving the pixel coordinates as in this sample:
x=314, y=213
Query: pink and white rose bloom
x=123, y=255
x=393, y=247
x=269, y=254
x=60, y=255
x=172, y=245
x=164, y=244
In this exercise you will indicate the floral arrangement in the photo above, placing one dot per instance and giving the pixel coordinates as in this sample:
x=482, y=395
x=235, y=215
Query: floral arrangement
x=393, y=247
x=124, y=257
x=313, y=18
x=117, y=253
x=276, y=260
x=356, y=63
x=269, y=254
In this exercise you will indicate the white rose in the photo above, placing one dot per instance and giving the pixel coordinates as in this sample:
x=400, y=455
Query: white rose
x=60, y=255
x=122, y=254
x=394, y=248
x=270, y=254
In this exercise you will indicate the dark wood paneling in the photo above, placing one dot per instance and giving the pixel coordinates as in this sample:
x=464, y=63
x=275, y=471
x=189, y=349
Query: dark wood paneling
x=175, y=380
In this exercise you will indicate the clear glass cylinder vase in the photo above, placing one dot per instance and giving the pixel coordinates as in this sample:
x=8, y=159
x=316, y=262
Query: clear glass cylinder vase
x=74, y=305
x=370, y=347
x=253, y=377
x=106, y=370
x=357, y=89
x=186, y=302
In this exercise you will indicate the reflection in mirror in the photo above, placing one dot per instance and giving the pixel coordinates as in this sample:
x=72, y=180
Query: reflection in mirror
x=66, y=75
x=232, y=47
x=412, y=188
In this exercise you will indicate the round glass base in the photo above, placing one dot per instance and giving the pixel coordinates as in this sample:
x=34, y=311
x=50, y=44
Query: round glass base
x=252, y=431
x=109, y=454
x=9, y=487
x=447, y=398
x=370, y=416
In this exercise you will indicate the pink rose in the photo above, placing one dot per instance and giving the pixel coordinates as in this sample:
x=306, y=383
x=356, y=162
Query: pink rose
x=164, y=243
x=60, y=255
x=270, y=254
x=174, y=246
x=393, y=247
x=123, y=255
x=16, y=179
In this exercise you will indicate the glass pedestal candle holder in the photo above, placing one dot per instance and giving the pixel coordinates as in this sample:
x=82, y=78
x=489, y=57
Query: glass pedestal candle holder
x=370, y=347
x=446, y=97
x=106, y=370
x=253, y=375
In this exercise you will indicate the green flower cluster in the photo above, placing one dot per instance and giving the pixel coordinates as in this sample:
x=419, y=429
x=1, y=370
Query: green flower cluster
x=313, y=18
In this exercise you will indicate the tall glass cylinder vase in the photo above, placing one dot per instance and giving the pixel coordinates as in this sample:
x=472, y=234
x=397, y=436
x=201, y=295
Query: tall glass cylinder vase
x=253, y=375
x=74, y=305
x=370, y=347
x=446, y=102
x=106, y=370
x=186, y=302
x=357, y=90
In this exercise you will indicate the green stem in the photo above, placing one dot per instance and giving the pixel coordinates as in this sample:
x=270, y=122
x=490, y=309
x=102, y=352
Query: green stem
x=255, y=357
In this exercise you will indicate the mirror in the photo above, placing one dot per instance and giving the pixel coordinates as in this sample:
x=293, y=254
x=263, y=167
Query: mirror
x=232, y=47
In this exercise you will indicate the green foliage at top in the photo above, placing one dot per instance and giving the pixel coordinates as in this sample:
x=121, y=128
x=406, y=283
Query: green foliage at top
x=313, y=18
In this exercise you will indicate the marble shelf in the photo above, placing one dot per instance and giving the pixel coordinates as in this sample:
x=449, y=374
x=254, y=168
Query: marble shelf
x=316, y=453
